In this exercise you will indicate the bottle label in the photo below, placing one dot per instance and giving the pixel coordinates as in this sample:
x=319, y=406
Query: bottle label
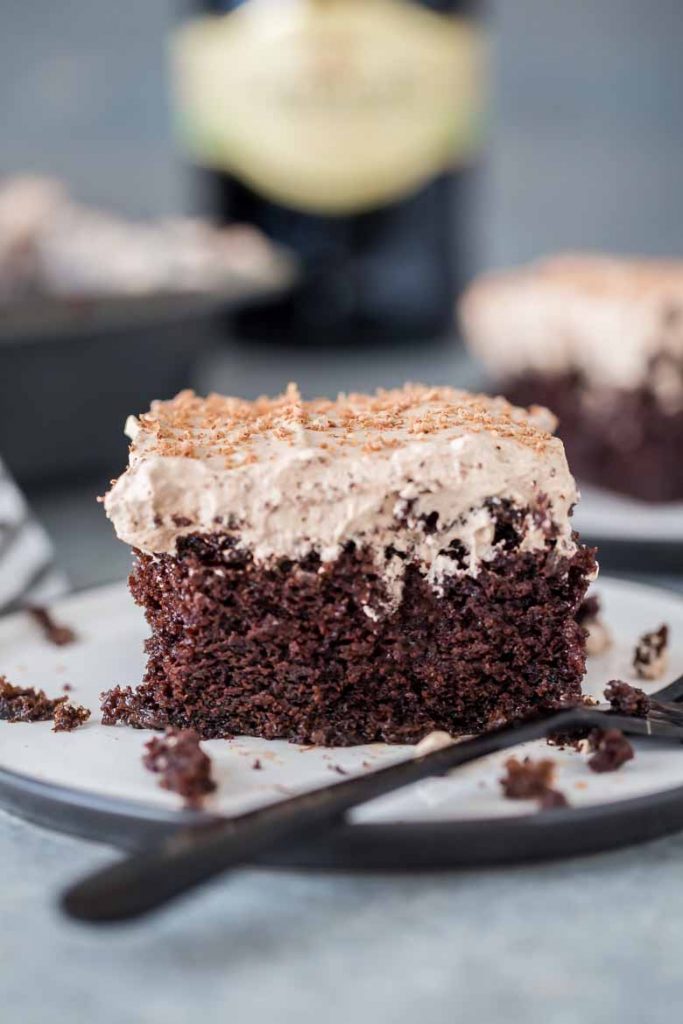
x=330, y=106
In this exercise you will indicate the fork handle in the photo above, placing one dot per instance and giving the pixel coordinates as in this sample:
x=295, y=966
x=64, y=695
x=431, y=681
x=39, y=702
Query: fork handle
x=147, y=880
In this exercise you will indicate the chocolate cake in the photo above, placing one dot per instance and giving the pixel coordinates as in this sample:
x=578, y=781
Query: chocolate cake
x=339, y=572
x=600, y=342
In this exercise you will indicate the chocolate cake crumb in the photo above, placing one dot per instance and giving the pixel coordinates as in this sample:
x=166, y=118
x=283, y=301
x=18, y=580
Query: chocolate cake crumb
x=184, y=767
x=575, y=739
x=532, y=780
x=67, y=687
x=68, y=717
x=651, y=655
x=527, y=779
x=612, y=749
x=627, y=699
x=338, y=769
x=122, y=704
x=322, y=672
x=55, y=632
x=552, y=799
x=256, y=765
x=26, y=704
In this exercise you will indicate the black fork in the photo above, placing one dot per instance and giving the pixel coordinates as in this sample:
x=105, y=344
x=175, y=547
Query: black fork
x=147, y=880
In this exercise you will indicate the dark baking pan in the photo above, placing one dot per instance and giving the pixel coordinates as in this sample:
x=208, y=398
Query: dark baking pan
x=70, y=372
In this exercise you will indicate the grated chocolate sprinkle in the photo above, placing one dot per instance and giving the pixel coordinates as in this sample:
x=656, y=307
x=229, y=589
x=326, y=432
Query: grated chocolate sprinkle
x=190, y=426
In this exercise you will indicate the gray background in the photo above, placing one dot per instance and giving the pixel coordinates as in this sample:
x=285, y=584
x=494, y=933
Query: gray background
x=586, y=142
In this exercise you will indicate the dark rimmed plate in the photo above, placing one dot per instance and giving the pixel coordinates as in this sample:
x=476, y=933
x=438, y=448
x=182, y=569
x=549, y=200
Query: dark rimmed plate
x=92, y=783
x=631, y=535
x=400, y=846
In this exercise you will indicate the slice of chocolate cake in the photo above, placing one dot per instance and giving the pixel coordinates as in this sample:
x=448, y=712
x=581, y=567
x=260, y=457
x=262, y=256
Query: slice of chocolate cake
x=600, y=342
x=339, y=572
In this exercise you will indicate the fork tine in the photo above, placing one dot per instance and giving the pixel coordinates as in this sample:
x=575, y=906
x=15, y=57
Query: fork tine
x=666, y=713
x=673, y=693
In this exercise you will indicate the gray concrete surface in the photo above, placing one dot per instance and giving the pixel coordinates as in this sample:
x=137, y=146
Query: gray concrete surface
x=586, y=942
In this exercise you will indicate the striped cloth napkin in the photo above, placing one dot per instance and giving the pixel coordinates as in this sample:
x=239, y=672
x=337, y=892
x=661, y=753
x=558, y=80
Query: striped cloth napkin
x=27, y=570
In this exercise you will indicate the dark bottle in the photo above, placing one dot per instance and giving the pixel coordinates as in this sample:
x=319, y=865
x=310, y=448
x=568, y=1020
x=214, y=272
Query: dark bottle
x=346, y=130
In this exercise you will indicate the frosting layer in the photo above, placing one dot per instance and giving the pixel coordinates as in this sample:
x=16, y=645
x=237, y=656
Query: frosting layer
x=412, y=473
x=619, y=322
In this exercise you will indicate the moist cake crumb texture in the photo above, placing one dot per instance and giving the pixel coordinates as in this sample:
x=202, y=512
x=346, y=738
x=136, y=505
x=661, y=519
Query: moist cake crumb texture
x=373, y=568
x=68, y=717
x=124, y=705
x=288, y=652
x=611, y=750
x=182, y=764
x=627, y=699
x=26, y=704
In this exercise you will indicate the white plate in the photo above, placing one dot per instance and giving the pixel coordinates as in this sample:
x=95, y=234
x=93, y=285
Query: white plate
x=106, y=761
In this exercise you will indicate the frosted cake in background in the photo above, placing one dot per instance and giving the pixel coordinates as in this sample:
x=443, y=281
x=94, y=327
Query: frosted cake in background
x=51, y=245
x=598, y=340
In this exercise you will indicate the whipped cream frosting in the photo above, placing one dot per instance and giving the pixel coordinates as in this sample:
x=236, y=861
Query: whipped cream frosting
x=609, y=318
x=413, y=470
x=50, y=243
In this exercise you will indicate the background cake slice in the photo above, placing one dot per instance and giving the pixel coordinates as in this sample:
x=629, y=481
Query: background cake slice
x=340, y=572
x=600, y=341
